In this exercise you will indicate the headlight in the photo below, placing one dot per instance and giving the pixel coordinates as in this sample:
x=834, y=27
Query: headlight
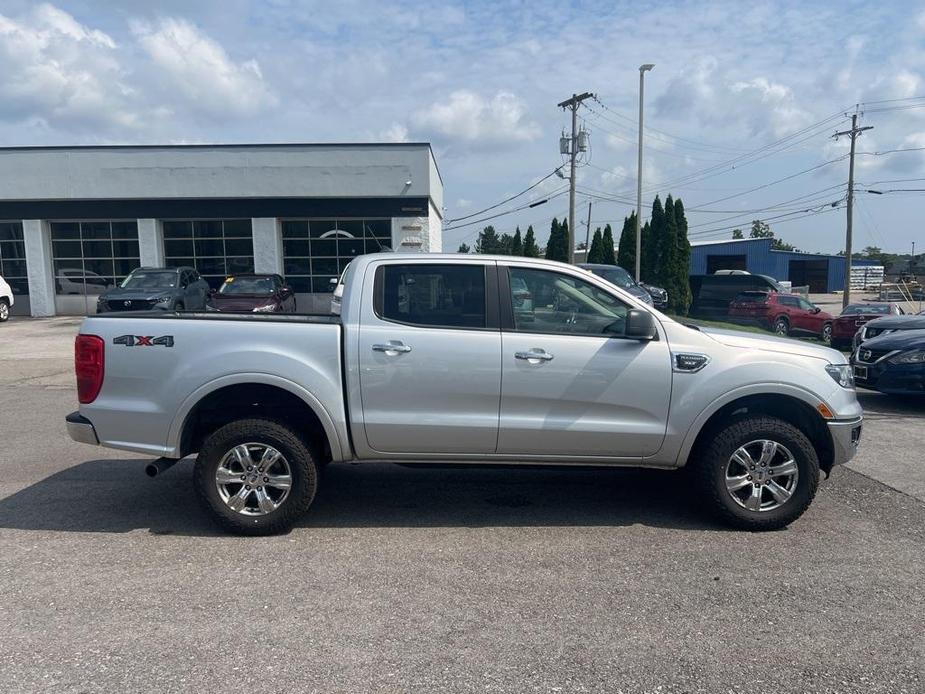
x=842, y=374
x=163, y=299
x=264, y=309
x=915, y=356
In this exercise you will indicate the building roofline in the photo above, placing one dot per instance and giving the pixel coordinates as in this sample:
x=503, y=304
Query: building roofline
x=215, y=145
x=710, y=243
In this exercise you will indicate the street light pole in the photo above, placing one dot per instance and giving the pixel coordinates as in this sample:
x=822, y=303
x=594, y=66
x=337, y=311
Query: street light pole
x=643, y=69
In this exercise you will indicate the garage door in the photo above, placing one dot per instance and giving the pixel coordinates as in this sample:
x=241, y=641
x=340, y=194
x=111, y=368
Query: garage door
x=812, y=273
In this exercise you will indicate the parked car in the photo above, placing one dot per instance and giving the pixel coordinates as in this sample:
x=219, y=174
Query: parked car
x=712, y=294
x=430, y=363
x=659, y=295
x=892, y=362
x=6, y=300
x=616, y=275
x=157, y=288
x=255, y=293
x=77, y=281
x=888, y=324
x=785, y=314
x=853, y=316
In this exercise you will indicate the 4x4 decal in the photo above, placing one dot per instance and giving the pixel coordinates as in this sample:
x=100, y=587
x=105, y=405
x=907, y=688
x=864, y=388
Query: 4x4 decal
x=143, y=340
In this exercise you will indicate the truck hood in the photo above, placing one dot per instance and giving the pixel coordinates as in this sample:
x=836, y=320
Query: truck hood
x=902, y=339
x=735, y=338
x=898, y=323
x=119, y=294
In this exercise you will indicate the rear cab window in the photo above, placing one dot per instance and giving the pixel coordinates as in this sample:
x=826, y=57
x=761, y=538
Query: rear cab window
x=433, y=295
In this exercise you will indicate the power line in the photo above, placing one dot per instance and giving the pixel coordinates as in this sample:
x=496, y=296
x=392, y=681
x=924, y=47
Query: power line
x=507, y=212
x=506, y=200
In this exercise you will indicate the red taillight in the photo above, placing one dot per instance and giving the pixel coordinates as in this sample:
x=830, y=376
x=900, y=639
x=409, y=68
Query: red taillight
x=89, y=358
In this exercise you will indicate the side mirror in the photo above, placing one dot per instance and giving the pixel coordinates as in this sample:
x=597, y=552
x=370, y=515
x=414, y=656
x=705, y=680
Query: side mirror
x=286, y=291
x=333, y=282
x=816, y=309
x=213, y=292
x=640, y=325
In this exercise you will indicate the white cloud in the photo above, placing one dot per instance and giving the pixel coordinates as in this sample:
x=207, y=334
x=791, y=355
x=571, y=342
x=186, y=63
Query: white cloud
x=473, y=118
x=394, y=133
x=777, y=101
x=201, y=71
x=56, y=71
x=463, y=204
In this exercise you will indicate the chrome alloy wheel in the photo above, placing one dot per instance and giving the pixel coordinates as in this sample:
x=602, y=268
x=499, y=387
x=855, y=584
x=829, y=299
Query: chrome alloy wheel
x=761, y=475
x=4, y=311
x=253, y=479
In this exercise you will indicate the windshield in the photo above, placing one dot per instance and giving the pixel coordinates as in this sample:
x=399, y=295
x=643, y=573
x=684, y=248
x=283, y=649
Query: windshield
x=261, y=286
x=617, y=276
x=150, y=280
x=865, y=308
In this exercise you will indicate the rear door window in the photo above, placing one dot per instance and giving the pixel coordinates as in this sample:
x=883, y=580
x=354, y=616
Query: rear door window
x=451, y=296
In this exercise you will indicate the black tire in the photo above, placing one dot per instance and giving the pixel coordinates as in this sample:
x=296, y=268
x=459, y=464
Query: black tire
x=178, y=306
x=712, y=460
x=302, y=467
x=781, y=326
x=4, y=310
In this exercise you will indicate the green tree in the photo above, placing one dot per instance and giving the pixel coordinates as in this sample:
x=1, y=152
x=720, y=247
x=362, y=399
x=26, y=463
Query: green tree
x=610, y=257
x=488, y=241
x=667, y=243
x=531, y=250
x=557, y=246
x=737, y=234
x=626, y=253
x=680, y=301
x=596, y=254
x=505, y=244
x=517, y=244
x=760, y=230
x=652, y=236
x=463, y=248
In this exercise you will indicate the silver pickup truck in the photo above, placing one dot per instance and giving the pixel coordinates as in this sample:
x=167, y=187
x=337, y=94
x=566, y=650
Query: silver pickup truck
x=464, y=359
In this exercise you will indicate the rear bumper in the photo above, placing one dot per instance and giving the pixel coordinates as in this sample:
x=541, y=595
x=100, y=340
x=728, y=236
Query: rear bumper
x=80, y=429
x=846, y=437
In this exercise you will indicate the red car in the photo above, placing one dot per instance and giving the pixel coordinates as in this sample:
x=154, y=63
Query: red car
x=785, y=314
x=854, y=316
x=253, y=293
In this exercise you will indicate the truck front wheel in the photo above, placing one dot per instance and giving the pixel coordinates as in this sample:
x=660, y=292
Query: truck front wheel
x=759, y=473
x=256, y=477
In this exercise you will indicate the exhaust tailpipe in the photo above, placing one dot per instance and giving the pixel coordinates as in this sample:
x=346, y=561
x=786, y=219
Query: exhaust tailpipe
x=156, y=467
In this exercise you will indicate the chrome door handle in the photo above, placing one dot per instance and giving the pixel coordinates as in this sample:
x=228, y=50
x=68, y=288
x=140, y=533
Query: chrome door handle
x=392, y=346
x=538, y=354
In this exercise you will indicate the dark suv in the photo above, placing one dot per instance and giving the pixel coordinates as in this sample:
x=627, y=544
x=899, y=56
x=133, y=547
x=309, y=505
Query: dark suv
x=157, y=288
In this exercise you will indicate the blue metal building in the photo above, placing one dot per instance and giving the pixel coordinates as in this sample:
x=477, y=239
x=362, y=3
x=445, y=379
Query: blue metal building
x=822, y=273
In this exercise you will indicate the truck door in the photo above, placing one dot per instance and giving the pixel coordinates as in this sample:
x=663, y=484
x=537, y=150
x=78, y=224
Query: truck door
x=430, y=358
x=571, y=385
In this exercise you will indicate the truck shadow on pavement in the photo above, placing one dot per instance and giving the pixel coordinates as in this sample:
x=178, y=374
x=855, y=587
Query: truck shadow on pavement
x=114, y=496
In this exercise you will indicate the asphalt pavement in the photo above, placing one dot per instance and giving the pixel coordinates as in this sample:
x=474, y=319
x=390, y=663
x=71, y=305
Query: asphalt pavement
x=444, y=579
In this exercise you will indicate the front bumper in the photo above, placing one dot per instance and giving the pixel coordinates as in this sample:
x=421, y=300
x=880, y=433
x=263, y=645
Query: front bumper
x=896, y=379
x=80, y=429
x=846, y=437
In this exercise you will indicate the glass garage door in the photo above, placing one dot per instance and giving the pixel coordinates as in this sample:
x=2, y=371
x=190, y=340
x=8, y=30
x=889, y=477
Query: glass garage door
x=317, y=250
x=217, y=248
x=13, y=265
x=89, y=257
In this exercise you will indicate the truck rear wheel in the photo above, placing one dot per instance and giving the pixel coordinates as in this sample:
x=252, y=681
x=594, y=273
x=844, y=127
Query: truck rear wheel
x=256, y=477
x=759, y=473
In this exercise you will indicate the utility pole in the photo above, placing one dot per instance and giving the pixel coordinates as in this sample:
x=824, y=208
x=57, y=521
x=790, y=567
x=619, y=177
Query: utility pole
x=854, y=132
x=643, y=69
x=573, y=104
x=588, y=237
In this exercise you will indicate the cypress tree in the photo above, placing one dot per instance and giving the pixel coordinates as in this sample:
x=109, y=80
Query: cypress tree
x=668, y=243
x=596, y=252
x=488, y=241
x=609, y=256
x=530, y=250
x=552, y=245
x=626, y=254
x=563, y=242
x=517, y=245
x=653, y=235
x=683, y=261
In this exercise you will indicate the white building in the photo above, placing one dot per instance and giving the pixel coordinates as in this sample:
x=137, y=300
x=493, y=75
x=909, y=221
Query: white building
x=74, y=220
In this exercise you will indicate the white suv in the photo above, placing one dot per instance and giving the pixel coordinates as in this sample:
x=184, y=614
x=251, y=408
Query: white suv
x=6, y=300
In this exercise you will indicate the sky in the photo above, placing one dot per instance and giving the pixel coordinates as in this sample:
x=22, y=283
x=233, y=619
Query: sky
x=740, y=107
